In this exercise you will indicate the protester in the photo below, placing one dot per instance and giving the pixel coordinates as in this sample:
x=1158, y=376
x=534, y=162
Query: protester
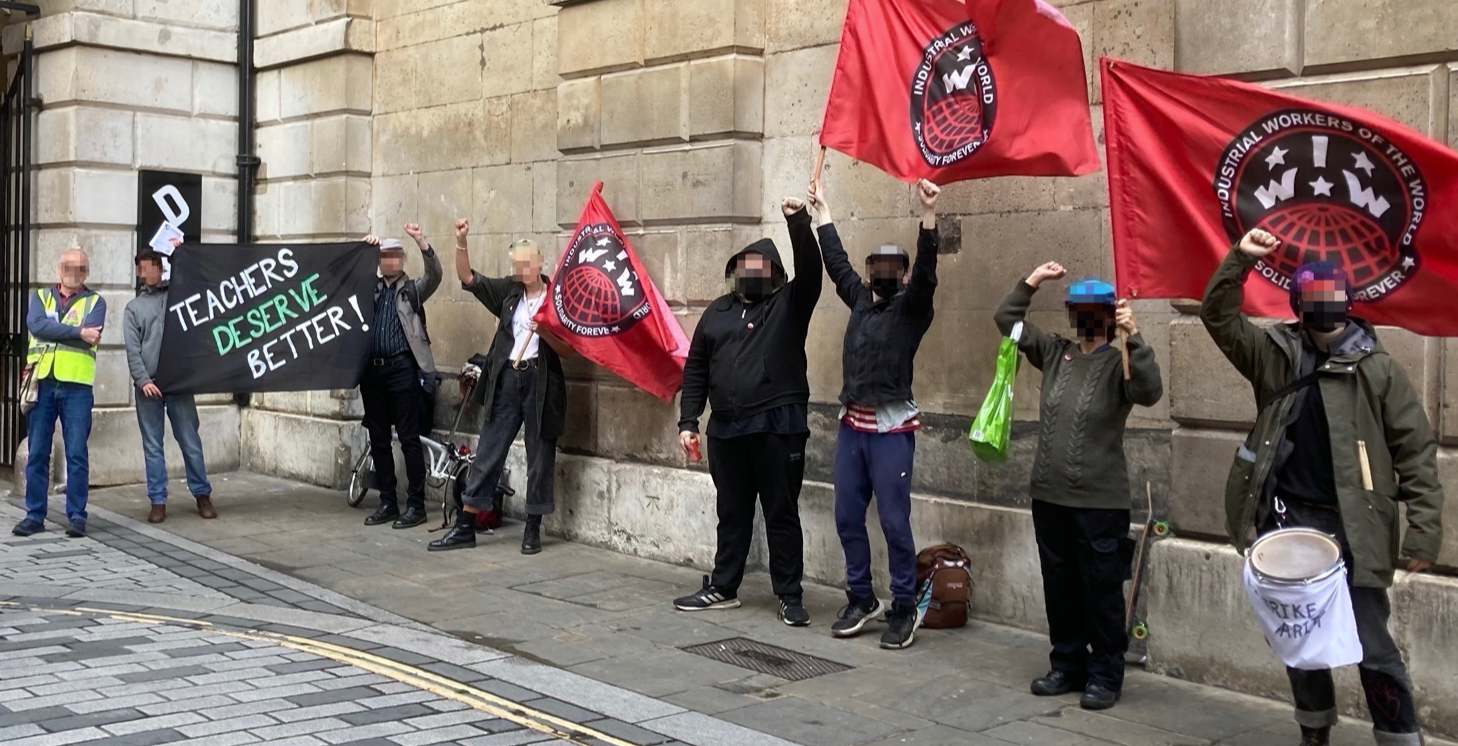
x=1340, y=439
x=891, y=311
x=521, y=384
x=1080, y=482
x=65, y=324
x=400, y=377
x=747, y=359
x=142, y=322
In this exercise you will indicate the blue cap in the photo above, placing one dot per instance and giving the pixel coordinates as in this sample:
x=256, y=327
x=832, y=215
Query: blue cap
x=1090, y=290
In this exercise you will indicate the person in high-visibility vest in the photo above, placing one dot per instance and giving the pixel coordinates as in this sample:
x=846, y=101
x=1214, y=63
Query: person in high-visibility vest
x=65, y=323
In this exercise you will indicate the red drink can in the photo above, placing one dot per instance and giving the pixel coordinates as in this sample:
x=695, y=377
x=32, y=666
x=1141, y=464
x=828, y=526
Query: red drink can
x=694, y=453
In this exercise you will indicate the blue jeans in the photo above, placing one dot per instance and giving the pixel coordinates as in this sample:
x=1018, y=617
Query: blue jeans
x=879, y=463
x=152, y=416
x=71, y=403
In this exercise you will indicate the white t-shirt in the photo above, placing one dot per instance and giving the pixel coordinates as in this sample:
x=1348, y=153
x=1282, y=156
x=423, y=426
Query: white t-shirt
x=521, y=327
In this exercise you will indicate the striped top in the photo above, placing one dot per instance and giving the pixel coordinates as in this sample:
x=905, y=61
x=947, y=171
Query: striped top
x=898, y=418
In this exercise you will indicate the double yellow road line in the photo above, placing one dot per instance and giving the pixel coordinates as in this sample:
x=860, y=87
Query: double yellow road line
x=500, y=707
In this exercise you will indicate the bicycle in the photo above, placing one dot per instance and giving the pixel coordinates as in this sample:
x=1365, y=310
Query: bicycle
x=445, y=463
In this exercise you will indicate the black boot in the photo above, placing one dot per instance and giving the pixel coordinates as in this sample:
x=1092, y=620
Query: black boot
x=461, y=536
x=1315, y=736
x=531, y=538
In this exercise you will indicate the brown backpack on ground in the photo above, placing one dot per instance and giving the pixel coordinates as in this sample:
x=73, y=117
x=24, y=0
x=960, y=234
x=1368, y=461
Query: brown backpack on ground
x=944, y=583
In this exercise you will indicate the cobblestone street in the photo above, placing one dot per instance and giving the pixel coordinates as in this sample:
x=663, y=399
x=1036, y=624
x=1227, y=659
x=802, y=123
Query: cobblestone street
x=216, y=633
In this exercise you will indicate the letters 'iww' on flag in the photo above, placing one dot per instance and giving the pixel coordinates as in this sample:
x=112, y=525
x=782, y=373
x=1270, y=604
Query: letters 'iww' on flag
x=950, y=90
x=1196, y=162
x=603, y=303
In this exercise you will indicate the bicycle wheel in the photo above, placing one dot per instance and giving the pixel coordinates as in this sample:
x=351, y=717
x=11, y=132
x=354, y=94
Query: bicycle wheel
x=360, y=480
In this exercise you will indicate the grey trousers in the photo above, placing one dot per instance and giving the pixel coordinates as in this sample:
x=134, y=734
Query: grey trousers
x=510, y=409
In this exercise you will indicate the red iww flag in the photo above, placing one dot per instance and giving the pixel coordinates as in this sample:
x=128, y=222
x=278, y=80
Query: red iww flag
x=950, y=90
x=1195, y=162
x=605, y=306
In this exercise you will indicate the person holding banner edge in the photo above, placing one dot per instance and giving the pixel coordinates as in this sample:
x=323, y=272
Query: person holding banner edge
x=143, y=322
x=1340, y=439
x=522, y=384
x=891, y=310
x=1080, y=480
x=747, y=360
x=65, y=322
x=399, y=377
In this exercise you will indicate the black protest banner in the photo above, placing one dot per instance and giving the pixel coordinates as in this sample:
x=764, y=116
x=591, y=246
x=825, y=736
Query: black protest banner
x=267, y=317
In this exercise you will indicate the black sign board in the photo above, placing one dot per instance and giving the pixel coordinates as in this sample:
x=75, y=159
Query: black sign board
x=268, y=317
x=164, y=196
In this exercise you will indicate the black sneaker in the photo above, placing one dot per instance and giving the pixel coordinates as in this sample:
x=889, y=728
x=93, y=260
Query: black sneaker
x=1056, y=683
x=901, y=624
x=27, y=527
x=856, y=615
x=793, y=613
x=386, y=514
x=707, y=598
x=411, y=518
x=1316, y=736
x=1096, y=697
x=77, y=529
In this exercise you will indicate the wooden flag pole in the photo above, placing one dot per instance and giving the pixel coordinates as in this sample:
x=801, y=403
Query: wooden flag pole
x=1124, y=351
x=819, y=166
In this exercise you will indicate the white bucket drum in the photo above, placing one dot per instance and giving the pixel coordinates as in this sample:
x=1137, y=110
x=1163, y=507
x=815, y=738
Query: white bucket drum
x=1297, y=585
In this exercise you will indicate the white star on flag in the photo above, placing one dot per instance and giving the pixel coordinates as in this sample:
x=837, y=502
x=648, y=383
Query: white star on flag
x=1277, y=157
x=966, y=54
x=1364, y=163
x=1408, y=262
x=609, y=266
x=1321, y=187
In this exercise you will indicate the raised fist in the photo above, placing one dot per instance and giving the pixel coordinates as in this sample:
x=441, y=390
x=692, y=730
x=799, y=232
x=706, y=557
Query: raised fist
x=928, y=192
x=413, y=230
x=792, y=206
x=1258, y=243
x=1049, y=271
x=463, y=228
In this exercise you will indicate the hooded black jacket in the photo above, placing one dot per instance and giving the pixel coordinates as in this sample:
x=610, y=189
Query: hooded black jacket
x=747, y=358
x=883, y=335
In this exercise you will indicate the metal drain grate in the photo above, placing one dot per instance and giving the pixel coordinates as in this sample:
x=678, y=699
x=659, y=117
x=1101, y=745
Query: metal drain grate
x=775, y=661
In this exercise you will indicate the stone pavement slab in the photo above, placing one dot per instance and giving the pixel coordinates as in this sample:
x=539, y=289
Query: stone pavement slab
x=606, y=618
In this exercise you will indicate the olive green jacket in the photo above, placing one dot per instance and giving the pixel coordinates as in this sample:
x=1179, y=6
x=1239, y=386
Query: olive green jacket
x=1382, y=445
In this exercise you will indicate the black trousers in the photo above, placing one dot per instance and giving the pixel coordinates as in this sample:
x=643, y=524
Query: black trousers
x=1086, y=556
x=513, y=406
x=1383, y=673
x=770, y=467
x=392, y=397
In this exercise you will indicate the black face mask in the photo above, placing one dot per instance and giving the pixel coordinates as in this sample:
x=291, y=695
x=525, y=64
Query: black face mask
x=754, y=288
x=1323, y=315
x=885, y=287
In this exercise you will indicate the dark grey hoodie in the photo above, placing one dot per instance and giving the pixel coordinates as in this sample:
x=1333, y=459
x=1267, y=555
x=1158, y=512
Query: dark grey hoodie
x=142, y=328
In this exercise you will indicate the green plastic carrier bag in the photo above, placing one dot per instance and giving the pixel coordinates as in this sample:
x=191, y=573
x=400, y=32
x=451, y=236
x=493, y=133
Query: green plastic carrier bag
x=992, y=427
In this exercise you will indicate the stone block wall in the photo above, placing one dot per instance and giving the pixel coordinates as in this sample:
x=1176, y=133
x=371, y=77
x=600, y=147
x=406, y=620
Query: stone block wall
x=700, y=116
x=128, y=86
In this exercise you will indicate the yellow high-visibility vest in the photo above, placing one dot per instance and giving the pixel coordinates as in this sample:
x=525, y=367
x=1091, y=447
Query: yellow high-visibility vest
x=72, y=364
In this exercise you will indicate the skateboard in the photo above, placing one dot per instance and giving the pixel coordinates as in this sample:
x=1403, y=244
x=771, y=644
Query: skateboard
x=1154, y=530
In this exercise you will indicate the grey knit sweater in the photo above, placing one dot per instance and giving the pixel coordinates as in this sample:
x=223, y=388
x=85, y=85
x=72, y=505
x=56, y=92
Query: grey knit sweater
x=1085, y=402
